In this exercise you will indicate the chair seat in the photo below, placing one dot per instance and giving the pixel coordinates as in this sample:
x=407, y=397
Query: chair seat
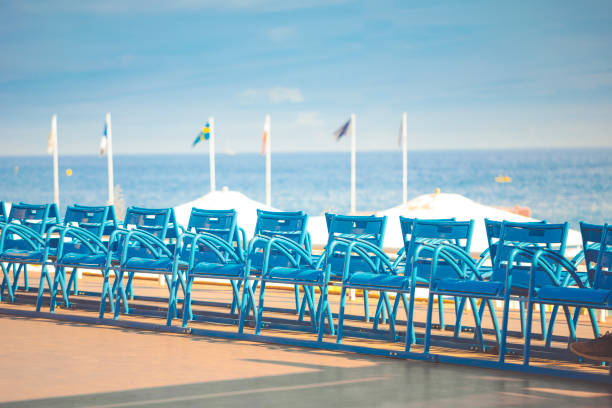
x=77, y=259
x=383, y=281
x=471, y=287
x=22, y=255
x=295, y=274
x=161, y=264
x=221, y=270
x=589, y=296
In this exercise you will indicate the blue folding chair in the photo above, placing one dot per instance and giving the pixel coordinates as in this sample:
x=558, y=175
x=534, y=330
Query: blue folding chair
x=419, y=244
x=493, y=231
x=510, y=277
x=212, y=247
x=290, y=227
x=596, y=293
x=22, y=243
x=400, y=265
x=81, y=244
x=146, y=243
x=367, y=228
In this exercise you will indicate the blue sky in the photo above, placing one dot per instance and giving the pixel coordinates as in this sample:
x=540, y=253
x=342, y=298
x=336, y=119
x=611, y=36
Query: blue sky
x=473, y=75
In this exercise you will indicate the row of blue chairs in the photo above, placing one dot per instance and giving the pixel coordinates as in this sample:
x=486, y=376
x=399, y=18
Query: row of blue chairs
x=524, y=262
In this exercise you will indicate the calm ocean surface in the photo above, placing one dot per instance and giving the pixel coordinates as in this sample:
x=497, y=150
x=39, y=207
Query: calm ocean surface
x=558, y=185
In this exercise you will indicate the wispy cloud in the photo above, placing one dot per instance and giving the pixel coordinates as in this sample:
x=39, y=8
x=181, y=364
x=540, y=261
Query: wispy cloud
x=273, y=95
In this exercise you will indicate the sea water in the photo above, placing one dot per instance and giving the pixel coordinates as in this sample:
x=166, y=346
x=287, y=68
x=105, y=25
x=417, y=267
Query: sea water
x=557, y=185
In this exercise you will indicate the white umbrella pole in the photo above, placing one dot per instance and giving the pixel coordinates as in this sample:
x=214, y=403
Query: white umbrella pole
x=267, y=128
x=353, y=166
x=211, y=150
x=55, y=166
x=109, y=154
x=405, y=157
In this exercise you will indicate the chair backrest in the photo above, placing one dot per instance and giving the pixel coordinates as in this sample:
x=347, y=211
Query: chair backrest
x=531, y=236
x=603, y=271
x=287, y=224
x=160, y=222
x=2, y=212
x=39, y=217
x=591, y=239
x=99, y=220
x=221, y=223
x=416, y=232
x=364, y=227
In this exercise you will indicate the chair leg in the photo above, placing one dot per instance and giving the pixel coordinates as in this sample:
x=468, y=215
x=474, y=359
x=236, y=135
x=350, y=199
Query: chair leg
x=366, y=305
x=53, y=289
x=74, y=277
x=296, y=291
x=341, y=315
x=236, y=300
x=44, y=276
x=543, y=319
x=570, y=324
x=106, y=292
x=187, y=314
x=385, y=297
x=522, y=311
x=8, y=284
x=551, y=323
x=489, y=303
x=308, y=298
x=459, y=306
x=262, y=291
x=324, y=308
x=26, y=285
x=411, y=327
x=594, y=324
x=430, y=301
x=441, y=312
x=121, y=295
x=16, y=274
x=504, y=332
x=410, y=323
x=527, y=333
x=477, y=322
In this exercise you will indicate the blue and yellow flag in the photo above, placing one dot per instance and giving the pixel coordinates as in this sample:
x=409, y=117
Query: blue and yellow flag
x=204, y=135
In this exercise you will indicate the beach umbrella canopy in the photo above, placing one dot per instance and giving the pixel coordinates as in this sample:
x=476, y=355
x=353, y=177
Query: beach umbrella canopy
x=442, y=205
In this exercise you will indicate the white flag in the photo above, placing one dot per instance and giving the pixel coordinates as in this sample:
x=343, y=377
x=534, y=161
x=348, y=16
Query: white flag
x=52, y=134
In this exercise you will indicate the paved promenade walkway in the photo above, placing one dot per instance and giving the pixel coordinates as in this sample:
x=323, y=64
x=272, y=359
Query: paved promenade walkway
x=46, y=363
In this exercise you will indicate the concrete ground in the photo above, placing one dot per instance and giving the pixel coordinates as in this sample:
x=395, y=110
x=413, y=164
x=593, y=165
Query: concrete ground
x=57, y=364
x=51, y=363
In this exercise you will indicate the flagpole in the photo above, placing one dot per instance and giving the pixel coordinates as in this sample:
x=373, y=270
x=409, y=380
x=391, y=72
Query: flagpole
x=211, y=151
x=267, y=128
x=55, y=166
x=109, y=154
x=405, y=156
x=353, y=167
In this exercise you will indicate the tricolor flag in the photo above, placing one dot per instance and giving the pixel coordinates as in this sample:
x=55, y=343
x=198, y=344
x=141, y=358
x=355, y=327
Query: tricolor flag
x=52, y=136
x=343, y=130
x=104, y=140
x=204, y=135
x=266, y=135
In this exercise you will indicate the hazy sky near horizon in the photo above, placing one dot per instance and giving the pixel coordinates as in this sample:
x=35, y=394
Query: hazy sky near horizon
x=474, y=74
